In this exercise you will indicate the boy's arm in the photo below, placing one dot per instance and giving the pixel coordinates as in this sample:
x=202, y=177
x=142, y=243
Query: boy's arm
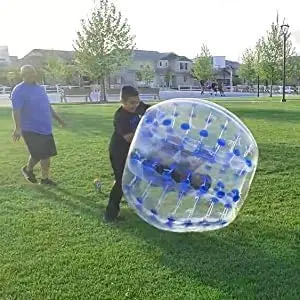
x=56, y=116
x=123, y=128
x=128, y=137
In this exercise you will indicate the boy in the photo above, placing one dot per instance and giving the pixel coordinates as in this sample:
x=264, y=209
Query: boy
x=126, y=120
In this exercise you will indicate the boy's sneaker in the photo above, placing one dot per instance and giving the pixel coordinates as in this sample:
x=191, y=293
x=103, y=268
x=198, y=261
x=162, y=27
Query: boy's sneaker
x=29, y=176
x=113, y=221
x=47, y=181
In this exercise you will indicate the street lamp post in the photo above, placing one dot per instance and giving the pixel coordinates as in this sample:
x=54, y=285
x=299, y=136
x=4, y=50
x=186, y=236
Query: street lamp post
x=284, y=29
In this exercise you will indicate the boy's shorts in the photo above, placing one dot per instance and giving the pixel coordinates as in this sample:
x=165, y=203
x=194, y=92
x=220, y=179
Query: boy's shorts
x=40, y=146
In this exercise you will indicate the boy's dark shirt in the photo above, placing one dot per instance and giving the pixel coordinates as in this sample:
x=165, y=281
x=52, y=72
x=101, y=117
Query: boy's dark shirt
x=125, y=122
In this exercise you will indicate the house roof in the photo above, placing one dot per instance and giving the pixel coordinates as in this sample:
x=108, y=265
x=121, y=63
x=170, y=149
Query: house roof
x=63, y=54
x=172, y=55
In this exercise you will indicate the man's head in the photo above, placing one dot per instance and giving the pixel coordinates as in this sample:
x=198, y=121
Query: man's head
x=130, y=98
x=28, y=74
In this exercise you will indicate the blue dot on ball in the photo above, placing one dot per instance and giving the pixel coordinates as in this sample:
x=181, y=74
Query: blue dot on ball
x=149, y=120
x=215, y=200
x=171, y=219
x=154, y=212
x=204, y=133
x=236, y=152
x=235, y=191
x=185, y=126
x=139, y=200
x=188, y=223
x=221, y=142
x=220, y=194
x=236, y=198
x=221, y=185
x=228, y=205
x=167, y=122
x=249, y=163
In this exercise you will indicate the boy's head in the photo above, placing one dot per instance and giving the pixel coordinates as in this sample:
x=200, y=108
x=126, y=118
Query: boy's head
x=130, y=98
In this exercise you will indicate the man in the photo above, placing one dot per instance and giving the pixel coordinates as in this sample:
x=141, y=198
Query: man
x=32, y=115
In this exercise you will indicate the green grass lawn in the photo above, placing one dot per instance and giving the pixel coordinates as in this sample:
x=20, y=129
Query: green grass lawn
x=53, y=244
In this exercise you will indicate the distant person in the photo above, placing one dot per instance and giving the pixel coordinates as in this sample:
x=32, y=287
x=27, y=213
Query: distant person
x=214, y=88
x=221, y=89
x=32, y=114
x=202, y=84
x=126, y=120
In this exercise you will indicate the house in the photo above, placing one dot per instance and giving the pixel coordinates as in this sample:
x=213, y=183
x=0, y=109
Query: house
x=169, y=70
x=38, y=57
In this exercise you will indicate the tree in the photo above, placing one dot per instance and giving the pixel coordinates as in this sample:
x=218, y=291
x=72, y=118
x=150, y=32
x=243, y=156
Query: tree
x=248, y=70
x=104, y=44
x=294, y=75
x=203, y=68
x=168, y=78
x=272, y=54
x=57, y=71
x=146, y=74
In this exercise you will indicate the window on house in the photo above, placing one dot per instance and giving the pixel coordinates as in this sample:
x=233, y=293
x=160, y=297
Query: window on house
x=160, y=63
x=166, y=63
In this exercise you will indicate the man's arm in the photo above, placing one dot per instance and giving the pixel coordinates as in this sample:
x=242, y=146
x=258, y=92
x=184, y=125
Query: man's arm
x=17, y=99
x=17, y=120
x=57, y=117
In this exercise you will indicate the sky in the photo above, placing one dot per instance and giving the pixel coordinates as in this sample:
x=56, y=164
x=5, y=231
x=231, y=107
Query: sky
x=228, y=27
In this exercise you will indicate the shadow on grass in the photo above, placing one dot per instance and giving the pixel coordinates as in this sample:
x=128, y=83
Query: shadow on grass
x=226, y=260
x=83, y=205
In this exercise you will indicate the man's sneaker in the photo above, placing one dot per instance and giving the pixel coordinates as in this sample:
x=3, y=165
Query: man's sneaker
x=29, y=176
x=47, y=181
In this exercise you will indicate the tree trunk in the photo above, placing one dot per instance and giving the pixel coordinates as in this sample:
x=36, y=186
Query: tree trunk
x=103, y=90
x=271, y=87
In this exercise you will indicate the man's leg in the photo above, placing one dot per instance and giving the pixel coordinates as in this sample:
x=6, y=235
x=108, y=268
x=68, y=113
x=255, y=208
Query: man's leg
x=45, y=168
x=31, y=163
x=27, y=171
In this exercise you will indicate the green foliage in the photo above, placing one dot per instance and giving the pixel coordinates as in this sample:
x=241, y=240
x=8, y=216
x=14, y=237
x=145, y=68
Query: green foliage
x=104, y=42
x=10, y=76
x=271, y=64
x=294, y=75
x=57, y=71
x=146, y=74
x=248, y=69
x=203, y=68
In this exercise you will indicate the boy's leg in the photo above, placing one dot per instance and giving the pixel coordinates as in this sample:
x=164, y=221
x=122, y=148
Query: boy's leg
x=116, y=194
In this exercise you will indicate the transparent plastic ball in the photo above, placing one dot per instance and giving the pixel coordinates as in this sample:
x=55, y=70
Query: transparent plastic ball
x=190, y=166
